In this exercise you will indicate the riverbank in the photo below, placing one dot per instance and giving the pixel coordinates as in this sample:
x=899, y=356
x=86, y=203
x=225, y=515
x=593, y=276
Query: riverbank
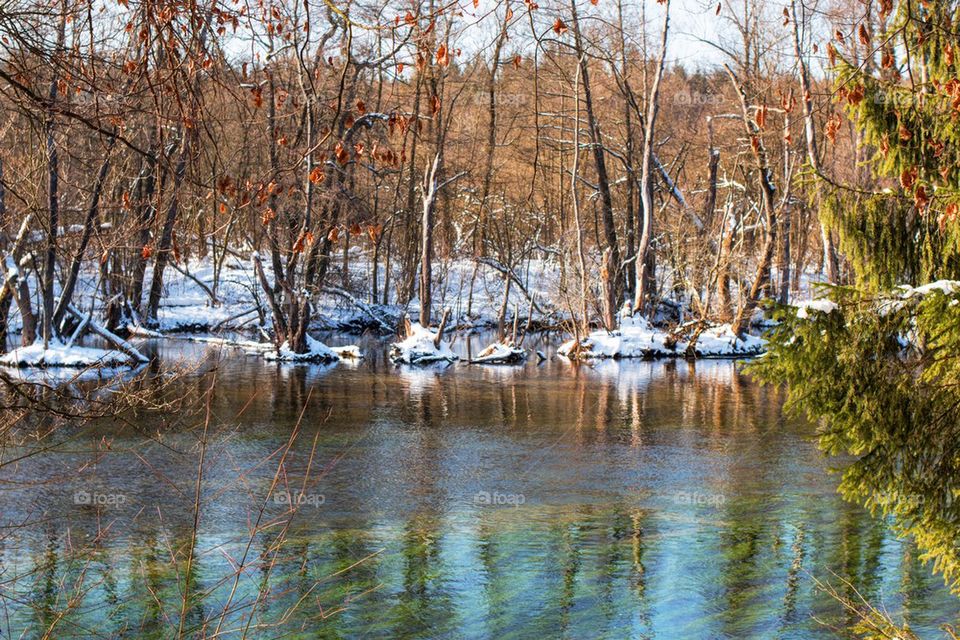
x=205, y=300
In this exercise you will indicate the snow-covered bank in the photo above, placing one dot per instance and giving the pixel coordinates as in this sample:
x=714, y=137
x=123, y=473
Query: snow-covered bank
x=201, y=298
x=473, y=292
x=58, y=354
x=636, y=338
x=59, y=376
x=316, y=352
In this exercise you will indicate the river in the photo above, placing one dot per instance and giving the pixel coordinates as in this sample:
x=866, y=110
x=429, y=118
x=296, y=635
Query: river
x=629, y=499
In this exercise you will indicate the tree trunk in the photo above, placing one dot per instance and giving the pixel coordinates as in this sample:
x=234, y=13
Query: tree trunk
x=28, y=332
x=630, y=277
x=410, y=242
x=596, y=144
x=480, y=232
x=783, y=257
x=89, y=224
x=166, y=237
x=290, y=319
x=6, y=295
x=165, y=245
x=53, y=194
x=504, y=304
x=767, y=191
x=830, y=262
x=646, y=176
x=608, y=300
x=426, y=240
x=713, y=165
x=146, y=212
x=727, y=231
x=584, y=326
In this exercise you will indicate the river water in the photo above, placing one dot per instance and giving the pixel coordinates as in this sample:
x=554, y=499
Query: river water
x=623, y=500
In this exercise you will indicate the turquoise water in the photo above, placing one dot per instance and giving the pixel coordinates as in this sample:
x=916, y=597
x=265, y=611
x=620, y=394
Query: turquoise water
x=624, y=500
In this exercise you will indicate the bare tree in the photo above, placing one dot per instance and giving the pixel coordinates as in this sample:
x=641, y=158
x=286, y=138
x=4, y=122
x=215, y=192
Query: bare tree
x=641, y=288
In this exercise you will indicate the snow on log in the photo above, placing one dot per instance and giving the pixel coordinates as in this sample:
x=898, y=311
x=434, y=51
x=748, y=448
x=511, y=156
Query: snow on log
x=361, y=306
x=638, y=339
x=316, y=352
x=109, y=336
x=500, y=353
x=319, y=352
x=421, y=346
x=348, y=352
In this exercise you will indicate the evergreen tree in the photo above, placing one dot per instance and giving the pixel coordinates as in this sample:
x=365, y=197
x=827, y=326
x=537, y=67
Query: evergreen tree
x=909, y=114
x=879, y=366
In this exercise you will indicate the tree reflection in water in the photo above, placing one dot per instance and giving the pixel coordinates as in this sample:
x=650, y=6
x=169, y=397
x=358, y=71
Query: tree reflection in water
x=660, y=499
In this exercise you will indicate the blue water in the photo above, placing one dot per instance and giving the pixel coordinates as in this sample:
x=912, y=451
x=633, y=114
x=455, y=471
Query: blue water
x=625, y=500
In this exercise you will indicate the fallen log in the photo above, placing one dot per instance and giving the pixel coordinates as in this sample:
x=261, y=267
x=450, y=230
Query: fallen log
x=500, y=353
x=119, y=343
x=386, y=328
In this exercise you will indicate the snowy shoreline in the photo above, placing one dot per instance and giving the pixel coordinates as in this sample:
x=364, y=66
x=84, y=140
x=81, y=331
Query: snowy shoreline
x=202, y=304
x=637, y=338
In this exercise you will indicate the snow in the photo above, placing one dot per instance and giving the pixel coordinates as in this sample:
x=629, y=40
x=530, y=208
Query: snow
x=904, y=295
x=58, y=354
x=419, y=348
x=638, y=339
x=349, y=352
x=57, y=376
x=138, y=330
x=822, y=306
x=473, y=291
x=719, y=341
x=201, y=316
x=500, y=353
x=318, y=352
x=187, y=307
x=946, y=287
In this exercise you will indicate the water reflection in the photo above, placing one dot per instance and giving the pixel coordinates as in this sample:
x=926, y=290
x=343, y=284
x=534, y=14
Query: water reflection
x=627, y=499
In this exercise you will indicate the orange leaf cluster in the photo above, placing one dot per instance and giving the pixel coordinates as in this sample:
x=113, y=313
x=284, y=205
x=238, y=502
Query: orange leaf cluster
x=908, y=177
x=399, y=122
x=920, y=199
x=443, y=57
x=761, y=118
x=951, y=214
x=832, y=127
